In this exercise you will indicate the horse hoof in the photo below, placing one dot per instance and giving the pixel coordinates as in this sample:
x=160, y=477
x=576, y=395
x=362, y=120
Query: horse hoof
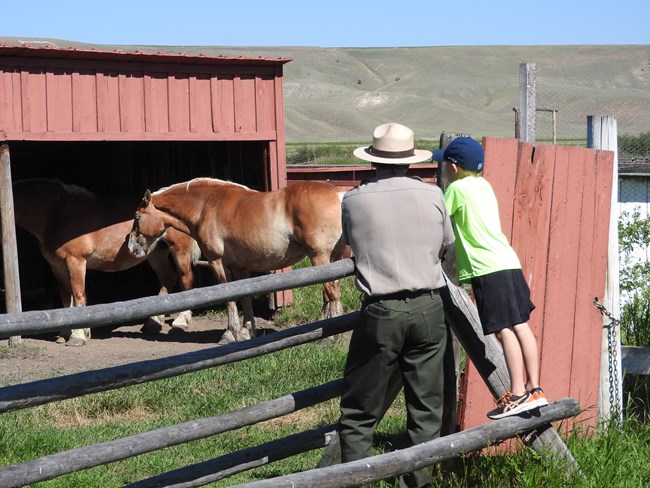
x=243, y=335
x=176, y=329
x=331, y=310
x=60, y=340
x=75, y=342
x=151, y=326
x=227, y=338
x=183, y=319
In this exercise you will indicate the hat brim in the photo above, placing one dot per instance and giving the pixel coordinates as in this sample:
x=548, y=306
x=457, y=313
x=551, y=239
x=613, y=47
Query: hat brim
x=419, y=156
x=438, y=155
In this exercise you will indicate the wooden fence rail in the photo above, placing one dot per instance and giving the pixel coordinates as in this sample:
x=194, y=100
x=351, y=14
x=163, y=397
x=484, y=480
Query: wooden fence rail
x=236, y=462
x=54, y=465
x=102, y=315
x=421, y=455
x=78, y=384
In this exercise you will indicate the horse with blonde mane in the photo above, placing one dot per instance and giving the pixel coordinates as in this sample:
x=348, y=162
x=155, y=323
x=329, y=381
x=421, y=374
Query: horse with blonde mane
x=78, y=230
x=240, y=230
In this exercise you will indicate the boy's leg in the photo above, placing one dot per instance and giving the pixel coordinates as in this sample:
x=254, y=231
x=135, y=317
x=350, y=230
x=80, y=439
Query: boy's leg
x=514, y=359
x=530, y=354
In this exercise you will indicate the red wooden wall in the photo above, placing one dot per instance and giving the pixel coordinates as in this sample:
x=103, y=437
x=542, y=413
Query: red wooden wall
x=554, y=207
x=90, y=95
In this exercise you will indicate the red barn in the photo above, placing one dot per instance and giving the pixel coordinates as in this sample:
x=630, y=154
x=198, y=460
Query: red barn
x=116, y=121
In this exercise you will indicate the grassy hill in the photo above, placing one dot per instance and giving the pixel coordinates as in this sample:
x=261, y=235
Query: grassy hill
x=341, y=94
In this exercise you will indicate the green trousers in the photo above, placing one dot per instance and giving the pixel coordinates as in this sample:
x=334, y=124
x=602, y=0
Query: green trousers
x=408, y=334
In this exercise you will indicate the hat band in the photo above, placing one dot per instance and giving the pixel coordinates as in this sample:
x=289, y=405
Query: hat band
x=391, y=154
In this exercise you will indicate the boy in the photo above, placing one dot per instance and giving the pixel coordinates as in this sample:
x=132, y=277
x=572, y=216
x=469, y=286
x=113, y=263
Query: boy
x=485, y=259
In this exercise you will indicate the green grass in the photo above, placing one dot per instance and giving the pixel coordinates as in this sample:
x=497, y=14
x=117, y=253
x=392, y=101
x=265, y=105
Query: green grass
x=326, y=153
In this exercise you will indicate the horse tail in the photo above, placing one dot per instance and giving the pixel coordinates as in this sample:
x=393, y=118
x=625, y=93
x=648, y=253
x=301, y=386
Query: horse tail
x=195, y=254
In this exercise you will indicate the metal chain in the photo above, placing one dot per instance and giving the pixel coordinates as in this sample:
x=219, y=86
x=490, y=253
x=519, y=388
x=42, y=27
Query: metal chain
x=614, y=403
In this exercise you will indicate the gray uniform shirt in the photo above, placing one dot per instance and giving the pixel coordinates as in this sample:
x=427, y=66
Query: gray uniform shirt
x=396, y=227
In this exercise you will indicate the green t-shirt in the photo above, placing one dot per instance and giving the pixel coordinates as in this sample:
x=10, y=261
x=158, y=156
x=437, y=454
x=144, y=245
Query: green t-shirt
x=481, y=246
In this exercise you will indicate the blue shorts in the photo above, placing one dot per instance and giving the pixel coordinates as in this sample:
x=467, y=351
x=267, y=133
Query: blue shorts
x=502, y=299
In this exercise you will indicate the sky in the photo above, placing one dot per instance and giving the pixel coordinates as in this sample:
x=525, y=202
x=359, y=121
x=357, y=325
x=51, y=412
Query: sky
x=330, y=23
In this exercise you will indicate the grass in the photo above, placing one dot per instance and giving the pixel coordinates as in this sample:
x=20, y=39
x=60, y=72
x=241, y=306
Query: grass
x=333, y=153
x=326, y=153
x=22, y=351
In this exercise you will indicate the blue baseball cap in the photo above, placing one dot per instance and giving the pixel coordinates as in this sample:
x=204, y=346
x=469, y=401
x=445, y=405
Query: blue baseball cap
x=463, y=151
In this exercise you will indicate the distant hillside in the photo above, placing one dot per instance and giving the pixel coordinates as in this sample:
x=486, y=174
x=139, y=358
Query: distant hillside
x=341, y=94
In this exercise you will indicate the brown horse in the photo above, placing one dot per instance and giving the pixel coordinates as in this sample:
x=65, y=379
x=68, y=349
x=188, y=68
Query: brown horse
x=78, y=230
x=241, y=230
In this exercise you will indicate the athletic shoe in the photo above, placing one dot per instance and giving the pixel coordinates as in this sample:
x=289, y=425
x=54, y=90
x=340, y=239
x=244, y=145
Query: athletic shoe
x=510, y=404
x=539, y=397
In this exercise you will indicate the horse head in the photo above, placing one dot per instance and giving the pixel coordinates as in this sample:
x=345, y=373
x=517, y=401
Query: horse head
x=147, y=228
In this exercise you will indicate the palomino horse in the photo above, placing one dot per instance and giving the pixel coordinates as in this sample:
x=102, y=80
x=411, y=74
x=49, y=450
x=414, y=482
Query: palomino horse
x=78, y=230
x=240, y=230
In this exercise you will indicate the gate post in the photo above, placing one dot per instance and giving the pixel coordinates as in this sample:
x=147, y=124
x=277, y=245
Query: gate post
x=602, y=134
x=8, y=235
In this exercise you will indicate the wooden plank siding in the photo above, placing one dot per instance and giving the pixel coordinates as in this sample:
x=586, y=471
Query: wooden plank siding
x=554, y=207
x=67, y=100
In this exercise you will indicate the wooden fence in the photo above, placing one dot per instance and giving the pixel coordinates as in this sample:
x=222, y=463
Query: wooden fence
x=75, y=385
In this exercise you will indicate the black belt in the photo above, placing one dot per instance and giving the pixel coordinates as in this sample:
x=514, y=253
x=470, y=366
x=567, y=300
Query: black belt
x=401, y=295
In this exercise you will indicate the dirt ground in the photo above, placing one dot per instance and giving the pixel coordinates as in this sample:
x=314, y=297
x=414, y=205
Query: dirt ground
x=40, y=356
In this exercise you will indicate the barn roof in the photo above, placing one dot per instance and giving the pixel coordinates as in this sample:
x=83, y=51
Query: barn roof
x=145, y=55
x=634, y=167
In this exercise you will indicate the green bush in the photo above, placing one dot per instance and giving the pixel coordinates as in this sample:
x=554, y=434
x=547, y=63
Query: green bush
x=634, y=146
x=634, y=232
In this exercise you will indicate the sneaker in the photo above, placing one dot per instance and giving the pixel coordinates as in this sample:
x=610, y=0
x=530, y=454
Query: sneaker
x=539, y=397
x=510, y=404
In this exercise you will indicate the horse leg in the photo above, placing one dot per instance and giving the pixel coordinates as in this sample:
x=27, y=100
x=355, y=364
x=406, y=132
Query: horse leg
x=233, y=329
x=158, y=260
x=77, y=273
x=249, y=330
x=184, y=259
x=65, y=293
x=332, y=306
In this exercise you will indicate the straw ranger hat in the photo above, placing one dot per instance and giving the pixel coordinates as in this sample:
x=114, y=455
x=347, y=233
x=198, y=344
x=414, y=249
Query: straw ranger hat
x=392, y=144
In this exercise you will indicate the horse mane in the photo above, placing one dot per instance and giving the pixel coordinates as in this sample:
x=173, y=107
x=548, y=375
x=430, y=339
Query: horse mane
x=75, y=190
x=69, y=188
x=203, y=179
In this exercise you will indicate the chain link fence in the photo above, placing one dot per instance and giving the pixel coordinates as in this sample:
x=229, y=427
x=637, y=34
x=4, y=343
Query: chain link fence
x=623, y=93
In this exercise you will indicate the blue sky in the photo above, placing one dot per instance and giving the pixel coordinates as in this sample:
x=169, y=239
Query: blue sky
x=330, y=23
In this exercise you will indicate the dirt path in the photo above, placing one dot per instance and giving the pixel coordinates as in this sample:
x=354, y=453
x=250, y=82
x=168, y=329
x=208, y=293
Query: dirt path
x=40, y=356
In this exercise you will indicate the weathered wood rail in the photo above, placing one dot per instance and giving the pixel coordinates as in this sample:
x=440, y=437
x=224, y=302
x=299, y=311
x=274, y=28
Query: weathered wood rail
x=459, y=313
x=41, y=321
x=419, y=456
x=635, y=360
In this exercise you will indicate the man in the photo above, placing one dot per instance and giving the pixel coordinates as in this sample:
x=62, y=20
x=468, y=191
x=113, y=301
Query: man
x=397, y=227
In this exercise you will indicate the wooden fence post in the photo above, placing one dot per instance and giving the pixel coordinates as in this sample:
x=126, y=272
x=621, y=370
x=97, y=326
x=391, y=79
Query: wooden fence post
x=8, y=234
x=526, y=113
x=602, y=134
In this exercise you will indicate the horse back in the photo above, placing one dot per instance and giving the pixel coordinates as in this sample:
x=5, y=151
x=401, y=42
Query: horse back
x=312, y=202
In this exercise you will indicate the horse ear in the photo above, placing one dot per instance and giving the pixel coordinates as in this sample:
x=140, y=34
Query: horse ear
x=146, y=200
